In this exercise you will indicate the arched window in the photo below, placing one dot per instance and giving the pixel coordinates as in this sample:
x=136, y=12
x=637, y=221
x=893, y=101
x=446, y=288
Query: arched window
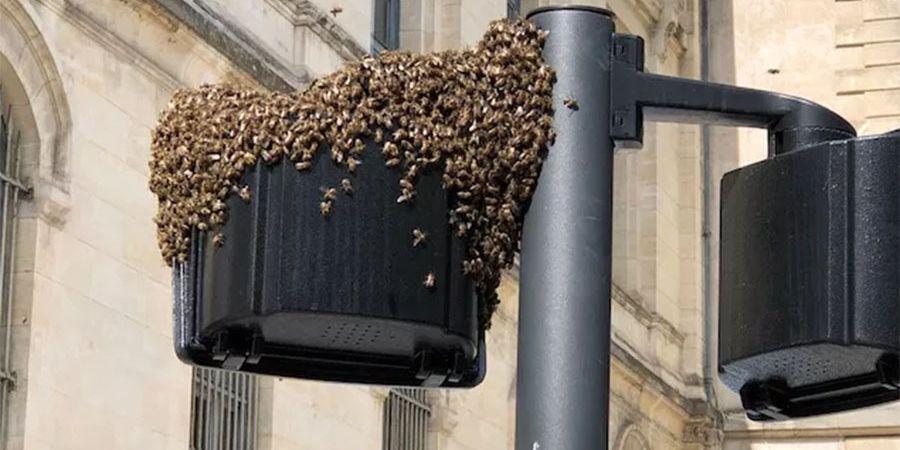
x=34, y=144
x=11, y=189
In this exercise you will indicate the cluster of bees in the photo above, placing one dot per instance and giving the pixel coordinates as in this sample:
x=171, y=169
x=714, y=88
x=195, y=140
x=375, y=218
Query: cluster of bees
x=482, y=116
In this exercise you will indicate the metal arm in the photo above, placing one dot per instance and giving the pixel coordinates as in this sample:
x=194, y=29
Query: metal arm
x=792, y=122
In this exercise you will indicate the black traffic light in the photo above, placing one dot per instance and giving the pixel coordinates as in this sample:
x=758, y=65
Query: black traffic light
x=809, y=316
x=342, y=299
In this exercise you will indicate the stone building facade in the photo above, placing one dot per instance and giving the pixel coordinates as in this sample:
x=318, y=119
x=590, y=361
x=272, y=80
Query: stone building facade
x=91, y=362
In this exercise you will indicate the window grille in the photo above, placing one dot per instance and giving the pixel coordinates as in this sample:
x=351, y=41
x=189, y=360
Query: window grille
x=513, y=9
x=224, y=411
x=406, y=414
x=11, y=189
x=386, y=32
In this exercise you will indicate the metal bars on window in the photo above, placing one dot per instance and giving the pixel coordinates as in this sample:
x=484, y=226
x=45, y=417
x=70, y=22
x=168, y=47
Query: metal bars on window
x=224, y=412
x=11, y=189
x=406, y=414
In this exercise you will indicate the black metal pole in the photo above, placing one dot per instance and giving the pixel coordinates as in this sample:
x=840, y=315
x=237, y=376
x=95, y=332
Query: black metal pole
x=564, y=309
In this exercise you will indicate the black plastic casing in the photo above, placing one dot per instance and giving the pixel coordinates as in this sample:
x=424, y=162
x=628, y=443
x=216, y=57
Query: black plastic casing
x=809, y=316
x=340, y=297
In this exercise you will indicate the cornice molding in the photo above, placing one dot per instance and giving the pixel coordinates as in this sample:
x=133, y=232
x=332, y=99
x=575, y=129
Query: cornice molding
x=647, y=10
x=303, y=13
x=651, y=320
x=235, y=44
x=106, y=39
x=669, y=35
x=699, y=411
x=813, y=433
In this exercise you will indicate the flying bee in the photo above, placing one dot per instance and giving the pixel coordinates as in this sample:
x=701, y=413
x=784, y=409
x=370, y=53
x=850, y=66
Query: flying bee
x=571, y=103
x=336, y=9
x=346, y=186
x=419, y=237
x=429, y=281
x=325, y=208
x=329, y=194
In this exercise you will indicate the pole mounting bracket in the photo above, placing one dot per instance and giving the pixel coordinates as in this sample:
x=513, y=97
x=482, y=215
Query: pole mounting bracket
x=634, y=95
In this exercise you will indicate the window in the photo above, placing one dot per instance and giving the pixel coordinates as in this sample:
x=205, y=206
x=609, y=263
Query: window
x=224, y=411
x=513, y=9
x=10, y=191
x=386, y=33
x=406, y=414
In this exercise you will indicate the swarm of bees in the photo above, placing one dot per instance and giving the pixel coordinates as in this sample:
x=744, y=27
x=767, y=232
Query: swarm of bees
x=481, y=115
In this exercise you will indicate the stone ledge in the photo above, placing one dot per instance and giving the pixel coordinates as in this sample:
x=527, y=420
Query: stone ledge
x=303, y=13
x=232, y=42
x=818, y=433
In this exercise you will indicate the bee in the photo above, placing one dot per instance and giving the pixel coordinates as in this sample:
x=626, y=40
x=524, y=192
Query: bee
x=405, y=197
x=352, y=163
x=302, y=165
x=336, y=9
x=244, y=194
x=430, y=281
x=325, y=208
x=390, y=149
x=393, y=162
x=571, y=103
x=346, y=186
x=419, y=237
x=218, y=240
x=329, y=194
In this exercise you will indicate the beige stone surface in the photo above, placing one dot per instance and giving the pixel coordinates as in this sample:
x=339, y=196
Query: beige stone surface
x=92, y=342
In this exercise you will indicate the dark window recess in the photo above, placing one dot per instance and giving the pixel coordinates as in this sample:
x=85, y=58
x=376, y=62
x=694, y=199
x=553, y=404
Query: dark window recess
x=513, y=9
x=386, y=31
x=224, y=413
x=11, y=189
x=406, y=416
